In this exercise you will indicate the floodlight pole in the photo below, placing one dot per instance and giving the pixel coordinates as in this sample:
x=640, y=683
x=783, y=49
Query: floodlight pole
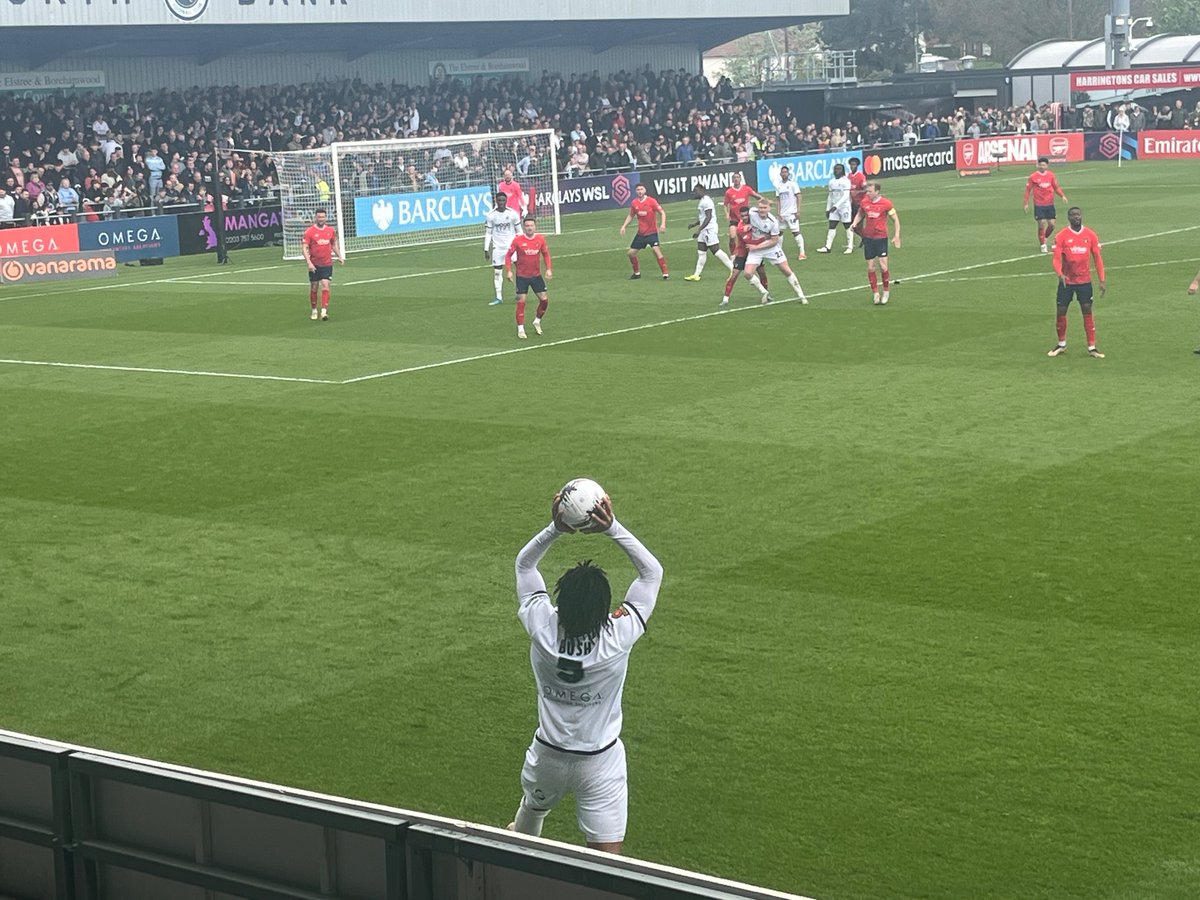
x=1118, y=27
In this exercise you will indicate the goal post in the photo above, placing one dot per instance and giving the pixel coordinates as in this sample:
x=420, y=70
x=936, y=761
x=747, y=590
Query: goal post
x=414, y=191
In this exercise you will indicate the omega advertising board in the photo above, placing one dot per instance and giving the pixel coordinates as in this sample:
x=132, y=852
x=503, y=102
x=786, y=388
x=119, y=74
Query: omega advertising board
x=147, y=237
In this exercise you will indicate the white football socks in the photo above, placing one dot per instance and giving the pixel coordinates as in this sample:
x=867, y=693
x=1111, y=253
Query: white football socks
x=725, y=260
x=529, y=821
x=799, y=240
x=701, y=257
x=498, y=280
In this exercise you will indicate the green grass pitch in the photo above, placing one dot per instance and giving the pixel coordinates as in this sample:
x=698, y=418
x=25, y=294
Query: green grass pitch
x=929, y=627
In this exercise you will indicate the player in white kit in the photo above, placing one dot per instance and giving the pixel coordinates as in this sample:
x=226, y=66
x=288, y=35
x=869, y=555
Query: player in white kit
x=706, y=234
x=579, y=651
x=501, y=225
x=766, y=245
x=837, y=209
x=788, y=194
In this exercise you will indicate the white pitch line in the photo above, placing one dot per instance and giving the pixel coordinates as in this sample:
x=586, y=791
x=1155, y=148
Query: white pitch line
x=297, y=283
x=243, y=375
x=129, y=285
x=600, y=334
x=563, y=341
x=485, y=265
x=1000, y=262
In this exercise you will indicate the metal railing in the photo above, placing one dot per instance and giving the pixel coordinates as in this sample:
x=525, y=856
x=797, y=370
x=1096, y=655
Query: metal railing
x=810, y=66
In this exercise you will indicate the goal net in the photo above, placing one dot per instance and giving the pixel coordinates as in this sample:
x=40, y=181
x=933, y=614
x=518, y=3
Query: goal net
x=400, y=193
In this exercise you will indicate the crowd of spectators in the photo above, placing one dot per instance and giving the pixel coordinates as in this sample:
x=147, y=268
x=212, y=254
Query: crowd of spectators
x=93, y=156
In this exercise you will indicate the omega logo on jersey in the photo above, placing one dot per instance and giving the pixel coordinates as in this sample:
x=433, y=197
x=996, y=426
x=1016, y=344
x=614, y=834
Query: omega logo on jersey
x=565, y=695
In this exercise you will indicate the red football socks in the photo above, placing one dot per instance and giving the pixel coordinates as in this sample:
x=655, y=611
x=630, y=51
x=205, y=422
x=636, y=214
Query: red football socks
x=762, y=275
x=325, y=298
x=1041, y=235
x=874, y=279
x=637, y=269
x=541, y=310
x=662, y=263
x=1061, y=324
x=887, y=279
x=312, y=296
x=1089, y=328
x=729, y=283
x=521, y=312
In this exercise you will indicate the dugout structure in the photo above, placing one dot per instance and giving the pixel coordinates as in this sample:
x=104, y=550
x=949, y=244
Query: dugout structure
x=389, y=194
x=82, y=824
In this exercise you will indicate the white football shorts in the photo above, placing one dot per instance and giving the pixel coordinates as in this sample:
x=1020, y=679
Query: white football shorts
x=774, y=254
x=498, y=253
x=600, y=784
x=791, y=222
x=839, y=214
x=709, y=235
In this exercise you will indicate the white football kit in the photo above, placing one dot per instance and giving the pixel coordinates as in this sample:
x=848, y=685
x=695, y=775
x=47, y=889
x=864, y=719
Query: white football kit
x=499, y=230
x=788, y=194
x=577, y=745
x=837, y=207
x=709, y=235
x=764, y=227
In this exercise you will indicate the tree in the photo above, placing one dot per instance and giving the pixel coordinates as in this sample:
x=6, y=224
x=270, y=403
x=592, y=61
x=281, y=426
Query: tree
x=882, y=31
x=746, y=67
x=1180, y=16
x=1013, y=25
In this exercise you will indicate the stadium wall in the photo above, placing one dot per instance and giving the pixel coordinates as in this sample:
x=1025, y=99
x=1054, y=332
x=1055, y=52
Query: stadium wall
x=134, y=75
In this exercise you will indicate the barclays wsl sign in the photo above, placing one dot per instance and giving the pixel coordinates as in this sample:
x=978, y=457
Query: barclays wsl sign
x=397, y=213
x=813, y=170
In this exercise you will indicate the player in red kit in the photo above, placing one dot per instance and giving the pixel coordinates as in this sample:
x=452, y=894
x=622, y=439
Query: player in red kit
x=737, y=196
x=513, y=191
x=647, y=212
x=529, y=249
x=858, y=189
x=320, y=246
x=873, y=214
x=1043, y=185
x=1074, y=250
x=740, y=251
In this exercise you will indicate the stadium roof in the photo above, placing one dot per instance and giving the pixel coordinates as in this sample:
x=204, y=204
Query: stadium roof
x=36, y=46
x=1158, y=50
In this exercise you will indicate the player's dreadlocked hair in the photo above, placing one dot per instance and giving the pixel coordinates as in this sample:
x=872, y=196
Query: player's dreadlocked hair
x=584, y=598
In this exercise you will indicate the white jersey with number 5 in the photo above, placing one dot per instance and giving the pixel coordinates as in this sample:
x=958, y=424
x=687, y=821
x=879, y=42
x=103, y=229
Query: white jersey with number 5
x=500, y=229
x=709, y=234
x=580, y=681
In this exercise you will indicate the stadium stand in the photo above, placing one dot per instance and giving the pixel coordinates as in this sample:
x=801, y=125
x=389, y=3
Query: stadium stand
x=152, y=151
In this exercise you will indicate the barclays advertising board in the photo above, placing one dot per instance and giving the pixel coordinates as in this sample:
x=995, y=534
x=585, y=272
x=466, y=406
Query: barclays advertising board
x=424, y=211
x=811, y=170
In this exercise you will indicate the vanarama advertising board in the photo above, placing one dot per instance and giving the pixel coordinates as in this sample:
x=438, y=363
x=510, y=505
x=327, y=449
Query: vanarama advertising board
x=58, y=267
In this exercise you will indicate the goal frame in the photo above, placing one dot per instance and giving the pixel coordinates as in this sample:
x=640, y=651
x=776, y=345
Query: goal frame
x=340, y=149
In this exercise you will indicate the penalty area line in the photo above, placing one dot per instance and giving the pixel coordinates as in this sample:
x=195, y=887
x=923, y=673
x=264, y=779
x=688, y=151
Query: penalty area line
x=154, y=371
